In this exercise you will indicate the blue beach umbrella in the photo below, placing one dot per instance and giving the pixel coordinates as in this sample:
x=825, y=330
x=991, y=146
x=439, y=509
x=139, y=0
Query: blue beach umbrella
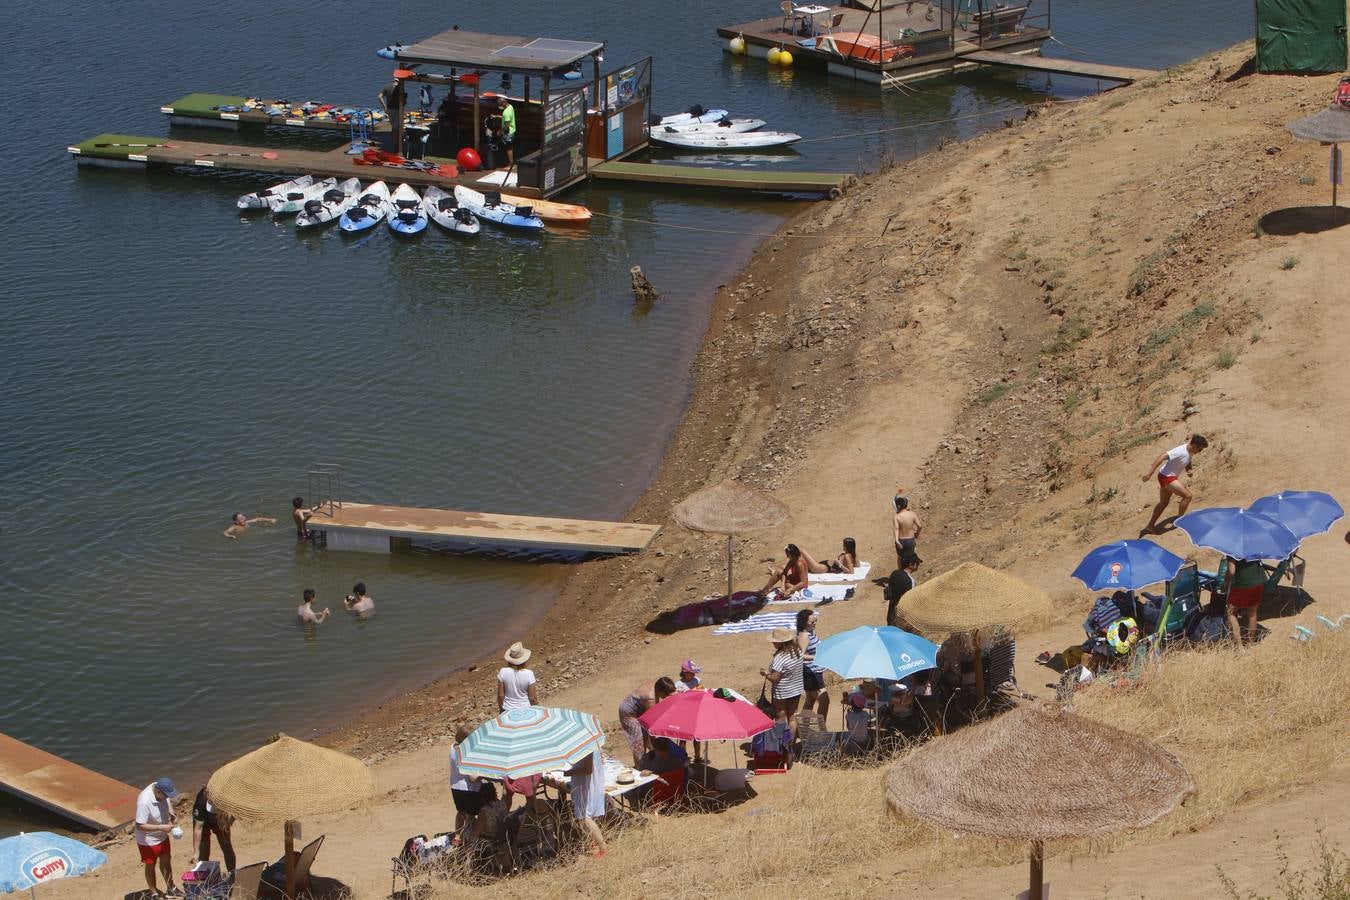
x=1305, y=513
x=1127, y=566
x=1239, y=533
x=32, y=859
x=876, y=652
x=529, y=741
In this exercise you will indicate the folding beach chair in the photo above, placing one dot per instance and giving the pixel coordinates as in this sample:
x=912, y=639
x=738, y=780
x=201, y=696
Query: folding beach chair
x=1181, y=603
x=274, y=876
x=246, y=881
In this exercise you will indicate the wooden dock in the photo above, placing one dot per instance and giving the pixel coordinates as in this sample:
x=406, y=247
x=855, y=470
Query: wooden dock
x=1122, y=74
x=369, y=527
x=830, y=184
x=171, y=152
x=92, y=800
x=203, y=109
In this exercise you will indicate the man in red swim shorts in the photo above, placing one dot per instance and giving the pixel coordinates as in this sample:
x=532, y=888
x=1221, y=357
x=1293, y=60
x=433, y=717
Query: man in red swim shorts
x=155, y=820
x=1169, y=467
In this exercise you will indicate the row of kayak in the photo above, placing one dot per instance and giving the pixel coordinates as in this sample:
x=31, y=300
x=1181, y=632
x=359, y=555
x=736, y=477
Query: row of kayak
x=321, y=202
x=715, y=129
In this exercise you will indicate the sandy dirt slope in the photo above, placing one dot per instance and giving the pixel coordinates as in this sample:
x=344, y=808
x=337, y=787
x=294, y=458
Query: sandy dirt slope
x=1012, y=329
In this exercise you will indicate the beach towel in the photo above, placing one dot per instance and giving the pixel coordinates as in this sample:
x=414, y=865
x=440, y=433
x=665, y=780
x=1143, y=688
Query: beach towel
x=716, y=608
x=859, y=573
x=816, y=593
x=766, y=621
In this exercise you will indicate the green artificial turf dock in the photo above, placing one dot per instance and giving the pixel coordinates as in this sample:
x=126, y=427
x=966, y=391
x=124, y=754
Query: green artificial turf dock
x=90, y=148
x=201, y=105
x=735, y=179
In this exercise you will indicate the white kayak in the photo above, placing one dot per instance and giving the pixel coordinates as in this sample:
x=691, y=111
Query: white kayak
x=721, y=126
x=368, y=210
x=492, y=208
x=329, y=205
x=258, y=199
x=499, y=178
x=445, y=211
x=695, y=114
x=294, y=200
x=406, y=215
x=748, y=140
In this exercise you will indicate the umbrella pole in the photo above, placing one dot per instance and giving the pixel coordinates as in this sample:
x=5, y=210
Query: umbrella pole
x=290, y=857
x=1037, y=871
x=731, y=538
x=979, y=675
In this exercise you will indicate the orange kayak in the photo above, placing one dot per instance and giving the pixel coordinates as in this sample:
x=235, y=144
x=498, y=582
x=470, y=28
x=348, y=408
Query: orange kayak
x=552, y=212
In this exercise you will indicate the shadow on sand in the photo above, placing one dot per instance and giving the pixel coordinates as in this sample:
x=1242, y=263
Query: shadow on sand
x=1304, y=220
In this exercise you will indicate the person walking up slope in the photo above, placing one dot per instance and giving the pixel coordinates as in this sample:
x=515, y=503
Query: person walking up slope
x=1170, y=466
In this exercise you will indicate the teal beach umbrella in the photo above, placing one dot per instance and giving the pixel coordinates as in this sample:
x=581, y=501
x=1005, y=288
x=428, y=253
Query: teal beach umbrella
x=529, y=741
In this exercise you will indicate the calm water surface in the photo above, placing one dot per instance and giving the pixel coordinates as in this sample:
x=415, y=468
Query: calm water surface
x=166, y=362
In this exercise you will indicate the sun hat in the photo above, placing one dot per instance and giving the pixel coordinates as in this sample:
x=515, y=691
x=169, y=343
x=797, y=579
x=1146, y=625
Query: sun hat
x=782, y=636
x=167, y=786
x=517, y=655
x=688, y=666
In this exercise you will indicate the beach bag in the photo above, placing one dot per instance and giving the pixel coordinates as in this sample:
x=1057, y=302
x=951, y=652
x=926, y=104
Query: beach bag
x=764, y=703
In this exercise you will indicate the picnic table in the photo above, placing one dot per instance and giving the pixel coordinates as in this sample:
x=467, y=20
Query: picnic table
x=613, y=789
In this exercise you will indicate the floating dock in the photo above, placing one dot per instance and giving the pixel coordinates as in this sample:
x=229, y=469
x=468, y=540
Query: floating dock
x=830, y=184
x=93, y=800
x=1121, y=74
x=228, y=111
x=373, y=528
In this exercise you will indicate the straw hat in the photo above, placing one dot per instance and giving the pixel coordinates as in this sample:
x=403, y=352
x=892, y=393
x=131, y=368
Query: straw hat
x=729, y=508
x=1037, y=774
x=972, y=596
x=517, y=655
x=289, y=779
x=782, y=636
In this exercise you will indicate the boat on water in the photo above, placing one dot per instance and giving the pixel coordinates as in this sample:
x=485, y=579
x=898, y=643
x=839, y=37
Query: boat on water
x=445, y=211
x=406, y=215
x=369, y=210
x=259, y=199
x=329, y=205
x=695, y=114
x=294, y=200
x=496, y=208
x=864, y=47
x=721, y=126
x=704, y=140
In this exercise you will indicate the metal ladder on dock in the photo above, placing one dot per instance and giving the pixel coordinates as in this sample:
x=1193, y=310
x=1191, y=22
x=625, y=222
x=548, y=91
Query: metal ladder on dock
x=324, y=487
x=358, y=129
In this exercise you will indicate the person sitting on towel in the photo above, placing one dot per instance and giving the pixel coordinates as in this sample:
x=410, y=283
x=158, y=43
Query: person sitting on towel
x=792, y=575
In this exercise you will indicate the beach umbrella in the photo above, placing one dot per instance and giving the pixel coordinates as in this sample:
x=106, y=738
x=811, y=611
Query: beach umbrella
x=1305, y=513
x=1127, y=566
x=969, y=598
x=1330, y=126
x=729, y=508
x=1038, y=774
x=285, y=780
x=1239, y=533
x=529, y=741
x=699, y=715
x=872, y=651
x=29, y=860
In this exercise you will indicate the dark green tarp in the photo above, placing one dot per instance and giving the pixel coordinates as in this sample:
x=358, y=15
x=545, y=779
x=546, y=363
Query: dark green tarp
x=1300, y=35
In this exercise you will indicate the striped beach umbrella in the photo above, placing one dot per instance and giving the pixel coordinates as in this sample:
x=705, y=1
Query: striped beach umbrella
x=529, y=741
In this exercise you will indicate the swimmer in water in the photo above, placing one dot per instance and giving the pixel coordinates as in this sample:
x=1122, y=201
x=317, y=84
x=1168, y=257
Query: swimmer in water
x=359, y=602
x=239, y=524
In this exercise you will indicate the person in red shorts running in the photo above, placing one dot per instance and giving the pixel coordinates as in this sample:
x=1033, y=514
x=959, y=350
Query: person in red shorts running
x=1169, y=467
x=154, y=822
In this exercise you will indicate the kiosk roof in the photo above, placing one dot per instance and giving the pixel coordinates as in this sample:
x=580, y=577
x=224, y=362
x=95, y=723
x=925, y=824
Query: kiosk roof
x=495, y=51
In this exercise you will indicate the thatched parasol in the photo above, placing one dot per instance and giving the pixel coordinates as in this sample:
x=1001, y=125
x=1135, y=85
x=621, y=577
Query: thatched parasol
x=1037, y=774
x=729, y=508
x=1330, y=126
x=971, y=597
x=285, y=780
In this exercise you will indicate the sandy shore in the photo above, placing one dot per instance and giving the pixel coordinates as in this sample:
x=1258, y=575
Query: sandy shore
x=1011, y=328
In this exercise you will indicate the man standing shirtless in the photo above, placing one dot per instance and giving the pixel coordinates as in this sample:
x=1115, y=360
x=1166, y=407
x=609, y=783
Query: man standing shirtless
x=1173, y=463
x=907, y=527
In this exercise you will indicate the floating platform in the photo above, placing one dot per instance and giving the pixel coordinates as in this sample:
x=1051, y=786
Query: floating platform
x=83, y=796
x=371, y=527
x=124, y=152
x=830, y=184
x=1121, y=74
x=205, y=110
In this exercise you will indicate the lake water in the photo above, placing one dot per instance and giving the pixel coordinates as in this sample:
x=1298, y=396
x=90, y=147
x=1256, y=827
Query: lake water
x=166, y=362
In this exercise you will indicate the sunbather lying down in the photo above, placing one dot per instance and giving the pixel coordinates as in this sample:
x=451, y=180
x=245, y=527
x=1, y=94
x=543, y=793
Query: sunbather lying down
x=799, y=565
x=844, y=563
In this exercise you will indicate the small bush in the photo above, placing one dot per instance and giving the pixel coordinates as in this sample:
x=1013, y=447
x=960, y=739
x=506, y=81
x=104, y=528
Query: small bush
x=1288, y=263
x=1307, y=181
x=990, y=395
x=1225, y=358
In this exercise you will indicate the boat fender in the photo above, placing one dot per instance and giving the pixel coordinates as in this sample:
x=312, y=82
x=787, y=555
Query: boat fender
x=784, y=58
x=773, y=55
x=737, y=45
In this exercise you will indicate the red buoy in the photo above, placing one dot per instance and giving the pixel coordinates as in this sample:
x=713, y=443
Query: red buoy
x=469, y=160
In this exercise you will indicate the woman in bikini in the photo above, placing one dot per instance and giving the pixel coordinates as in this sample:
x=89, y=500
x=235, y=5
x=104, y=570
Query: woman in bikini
x=792, y=575
x=843, y=564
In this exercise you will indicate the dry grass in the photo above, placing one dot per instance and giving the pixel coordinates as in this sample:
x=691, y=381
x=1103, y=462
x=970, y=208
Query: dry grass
x=1248, y=725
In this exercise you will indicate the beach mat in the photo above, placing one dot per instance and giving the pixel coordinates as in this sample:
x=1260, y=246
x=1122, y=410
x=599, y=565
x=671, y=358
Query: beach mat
x=859, y=574
x=816, y=593
x=766, y=621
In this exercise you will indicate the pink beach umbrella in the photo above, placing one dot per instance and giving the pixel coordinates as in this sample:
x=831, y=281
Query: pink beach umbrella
x=704, y=716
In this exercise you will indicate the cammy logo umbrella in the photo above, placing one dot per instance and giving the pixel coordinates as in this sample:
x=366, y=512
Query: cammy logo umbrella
x=1127, y=566
x=529, y=741
x=1305, y=513
x=1239, y=533
x=29, y=860
x=876, y=652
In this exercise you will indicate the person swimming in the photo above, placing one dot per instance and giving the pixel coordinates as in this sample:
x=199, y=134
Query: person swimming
x=239, y=523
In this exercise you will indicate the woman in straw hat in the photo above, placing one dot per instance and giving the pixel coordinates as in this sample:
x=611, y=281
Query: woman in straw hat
x=515, y=683
x=785, y=674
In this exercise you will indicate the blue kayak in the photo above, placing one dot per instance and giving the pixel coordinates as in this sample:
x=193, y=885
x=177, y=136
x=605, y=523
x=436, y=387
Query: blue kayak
x=491, y=207
x=406, y=214
x=369, y=210
x=391, y=51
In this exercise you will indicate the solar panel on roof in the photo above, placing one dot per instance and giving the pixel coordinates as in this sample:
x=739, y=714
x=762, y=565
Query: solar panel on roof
x=542, y=54
x=559, y=44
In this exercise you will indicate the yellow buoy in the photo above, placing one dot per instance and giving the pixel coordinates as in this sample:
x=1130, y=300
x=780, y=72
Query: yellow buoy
x=773, y=56
x=738, y=45
x=784, y=58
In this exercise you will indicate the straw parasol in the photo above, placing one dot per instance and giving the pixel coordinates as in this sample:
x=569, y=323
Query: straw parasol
x=729, y=508
x=1038, y=774
x=971, y=597
x=285, y=780
x=1330, y=126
